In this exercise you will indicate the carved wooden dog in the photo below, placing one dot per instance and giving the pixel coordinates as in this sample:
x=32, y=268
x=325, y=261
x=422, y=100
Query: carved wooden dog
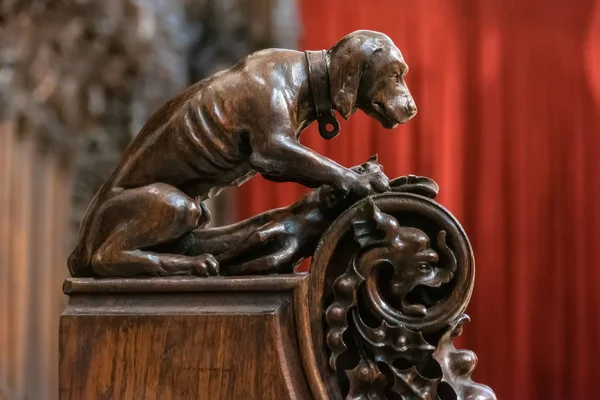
x=222, y=131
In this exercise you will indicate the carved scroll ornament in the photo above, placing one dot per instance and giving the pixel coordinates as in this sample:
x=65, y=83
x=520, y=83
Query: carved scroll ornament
x=390, y=283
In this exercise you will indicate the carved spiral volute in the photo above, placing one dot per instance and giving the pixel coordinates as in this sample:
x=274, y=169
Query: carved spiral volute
x=390, y=282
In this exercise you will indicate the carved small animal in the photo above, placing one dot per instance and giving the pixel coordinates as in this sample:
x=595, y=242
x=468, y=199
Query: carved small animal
x=222, y=131
x=276, y=240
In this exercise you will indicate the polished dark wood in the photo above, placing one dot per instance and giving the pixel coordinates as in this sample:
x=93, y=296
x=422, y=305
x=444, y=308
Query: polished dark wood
x=222, y=131
x=375, y=318
x=278, y=240
x=390, y=281
x=391, y=275
x=182, y=338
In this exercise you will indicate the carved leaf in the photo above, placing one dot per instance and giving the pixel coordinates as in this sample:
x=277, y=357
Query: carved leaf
x=386, y=265
x=344, y=289
x=409, y=384
x=448, y=253
x=388, y=343
x=372, y=227
x=415, y=184
x=458, y=365
x=366, y=382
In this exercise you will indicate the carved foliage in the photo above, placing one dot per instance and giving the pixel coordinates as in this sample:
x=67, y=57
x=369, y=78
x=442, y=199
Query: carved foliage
x=458, y=365
x=394, y=280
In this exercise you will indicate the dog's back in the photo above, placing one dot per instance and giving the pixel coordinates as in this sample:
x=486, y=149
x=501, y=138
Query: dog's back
x=196, y=137
x=191, y=141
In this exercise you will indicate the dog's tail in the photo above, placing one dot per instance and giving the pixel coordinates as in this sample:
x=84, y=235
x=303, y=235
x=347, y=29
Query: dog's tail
x=79, y=261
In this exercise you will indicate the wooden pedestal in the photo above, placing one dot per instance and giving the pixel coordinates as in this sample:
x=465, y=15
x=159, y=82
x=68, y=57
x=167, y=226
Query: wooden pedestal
x=182, y=338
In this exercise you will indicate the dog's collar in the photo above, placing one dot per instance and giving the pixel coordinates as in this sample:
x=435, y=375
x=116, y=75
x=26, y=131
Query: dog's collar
x=318, y=78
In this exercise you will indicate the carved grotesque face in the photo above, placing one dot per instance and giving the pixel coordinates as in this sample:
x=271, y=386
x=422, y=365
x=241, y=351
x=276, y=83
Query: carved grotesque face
x=418, y=265
x=382, y=93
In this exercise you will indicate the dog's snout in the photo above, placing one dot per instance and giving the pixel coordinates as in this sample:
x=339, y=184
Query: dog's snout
x=411, y=107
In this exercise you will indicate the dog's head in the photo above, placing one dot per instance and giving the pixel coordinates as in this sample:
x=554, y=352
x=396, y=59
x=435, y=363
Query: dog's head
x=367, y=72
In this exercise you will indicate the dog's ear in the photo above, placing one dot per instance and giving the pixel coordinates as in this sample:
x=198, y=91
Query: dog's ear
x=374, y=158
x=346, y=65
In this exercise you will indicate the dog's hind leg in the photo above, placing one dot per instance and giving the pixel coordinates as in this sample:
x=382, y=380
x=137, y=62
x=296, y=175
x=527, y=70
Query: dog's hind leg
x=136, y=220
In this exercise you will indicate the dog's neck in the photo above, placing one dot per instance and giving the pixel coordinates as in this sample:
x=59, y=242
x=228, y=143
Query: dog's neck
x=318, y=79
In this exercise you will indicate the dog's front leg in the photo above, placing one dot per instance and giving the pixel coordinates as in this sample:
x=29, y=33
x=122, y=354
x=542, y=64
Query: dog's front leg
x=285, y=160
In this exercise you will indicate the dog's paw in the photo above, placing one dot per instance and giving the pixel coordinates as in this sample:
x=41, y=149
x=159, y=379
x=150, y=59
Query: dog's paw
x=206, y=265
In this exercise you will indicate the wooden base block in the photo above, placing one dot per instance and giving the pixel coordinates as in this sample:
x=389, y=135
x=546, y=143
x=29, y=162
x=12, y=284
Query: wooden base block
x=181, y=338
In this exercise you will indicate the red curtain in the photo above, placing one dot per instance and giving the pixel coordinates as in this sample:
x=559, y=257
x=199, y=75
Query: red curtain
x=509, y=126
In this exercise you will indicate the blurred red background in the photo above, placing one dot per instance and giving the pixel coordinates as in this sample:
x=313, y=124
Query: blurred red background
x=509, y=126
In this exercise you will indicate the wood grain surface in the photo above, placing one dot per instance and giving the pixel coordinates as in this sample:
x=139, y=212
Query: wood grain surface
x=206, y=341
